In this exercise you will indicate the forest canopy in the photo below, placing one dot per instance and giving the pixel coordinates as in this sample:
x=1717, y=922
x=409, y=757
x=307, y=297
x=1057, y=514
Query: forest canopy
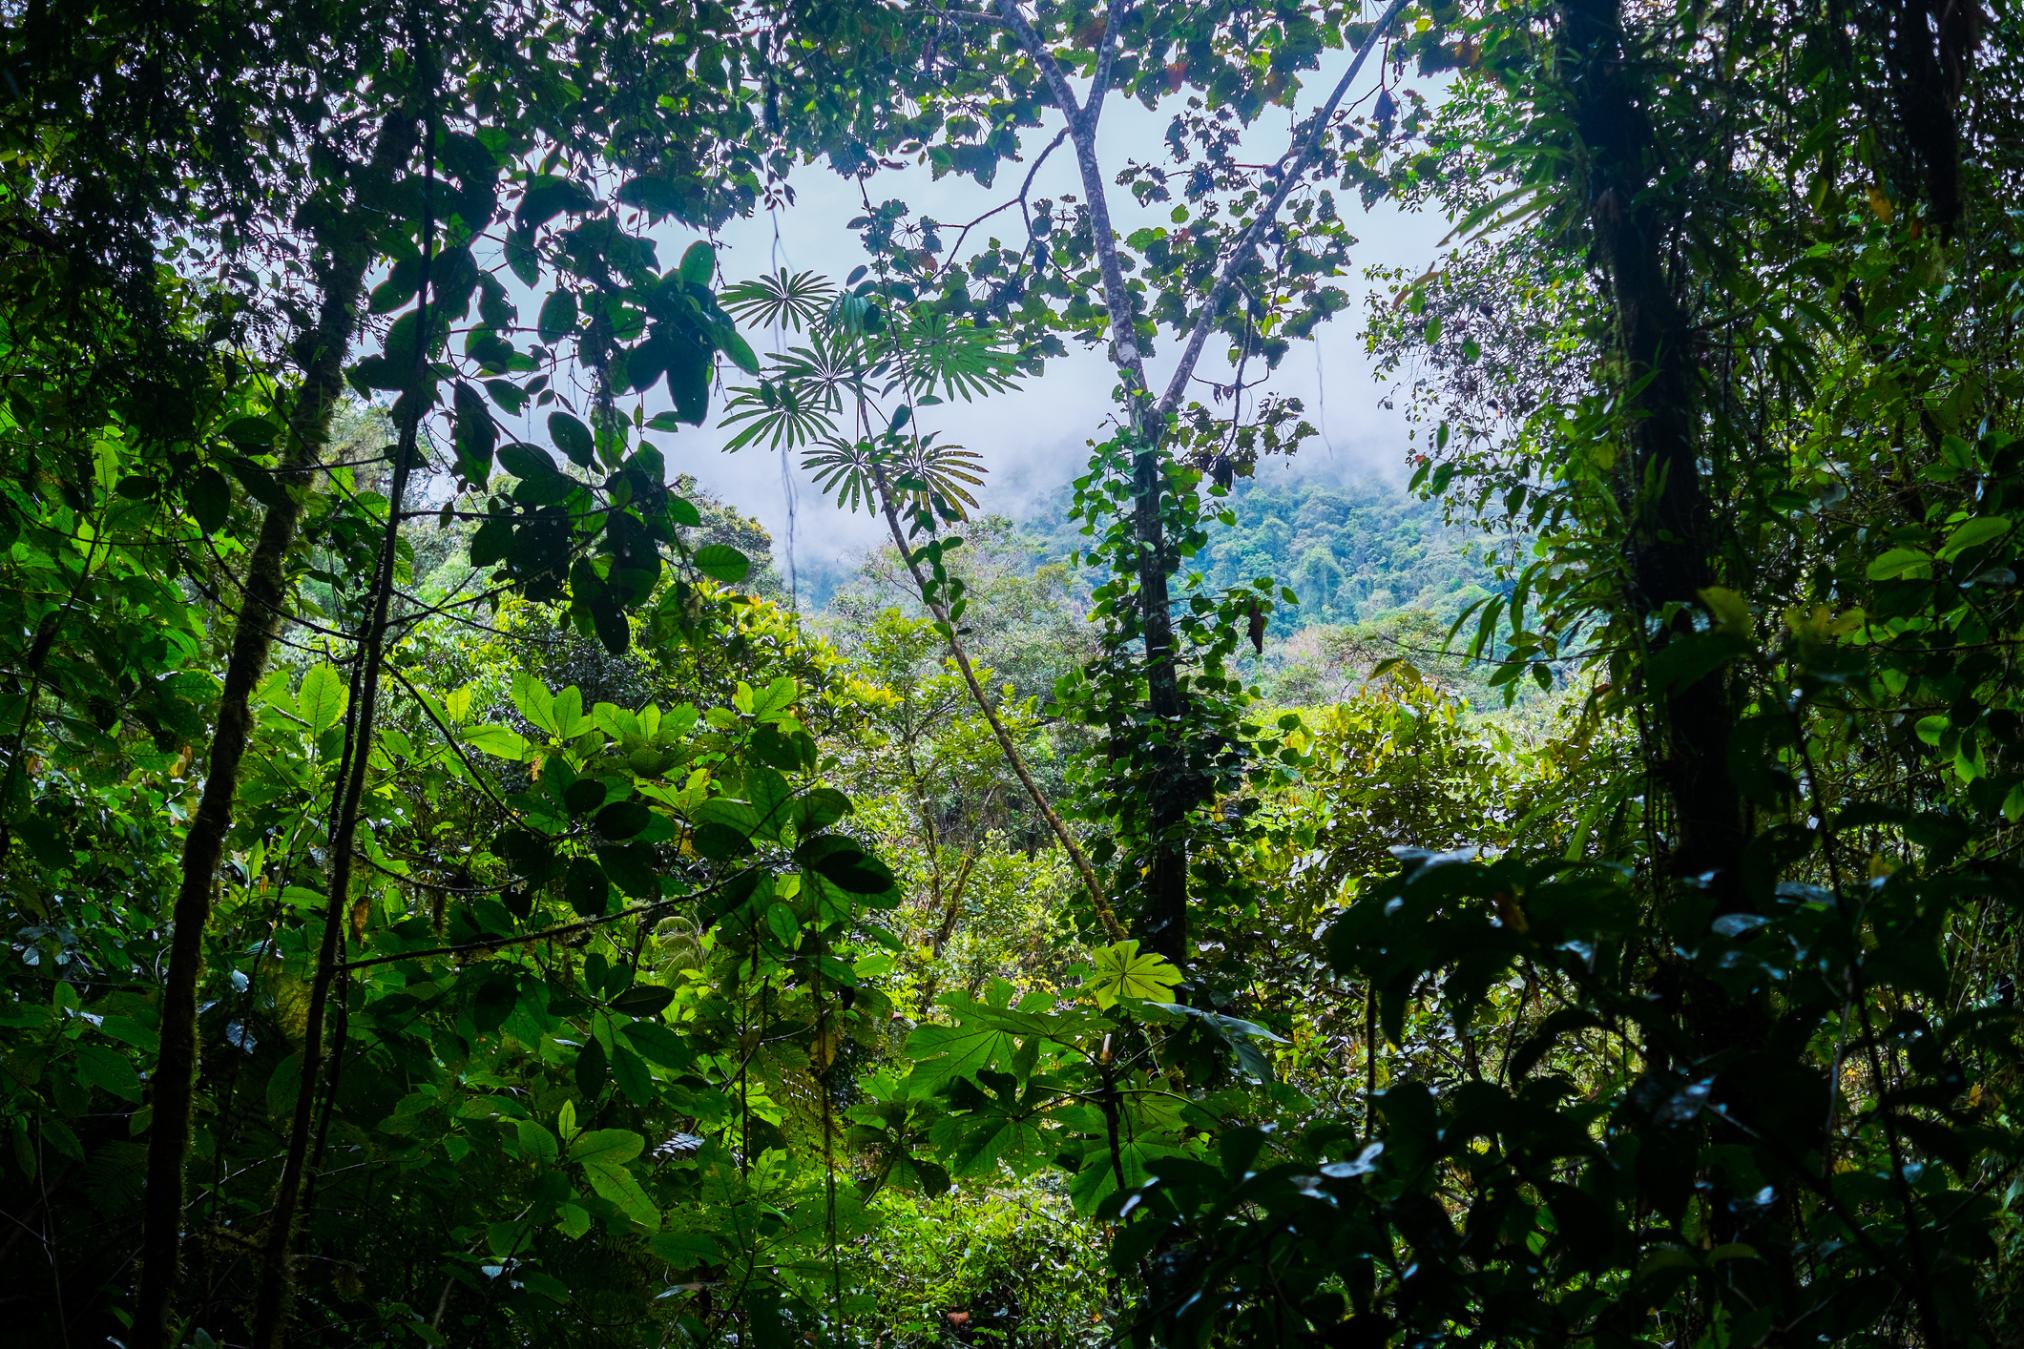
x=457, y=892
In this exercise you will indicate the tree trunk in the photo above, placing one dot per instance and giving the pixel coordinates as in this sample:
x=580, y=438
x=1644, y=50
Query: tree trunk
x=1171, y=790
x=276, y=1284
x=1672, y=543
x=1163, y=912
x=321, y=353
x=1674, y=556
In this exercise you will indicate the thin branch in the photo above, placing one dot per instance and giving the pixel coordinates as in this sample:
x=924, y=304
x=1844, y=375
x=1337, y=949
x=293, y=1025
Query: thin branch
x=1092, y=108
x=947, y=623
x=1291, y=166
x=1050, y=69
x=1025, y=190
x=529, y=938
x=450, y=739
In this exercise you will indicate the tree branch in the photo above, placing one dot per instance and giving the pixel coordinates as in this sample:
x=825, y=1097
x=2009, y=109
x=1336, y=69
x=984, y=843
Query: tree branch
x=1092, y=108
x=1291, y=166
x=1050, y=69
x=1025, y=191
x=656, y=907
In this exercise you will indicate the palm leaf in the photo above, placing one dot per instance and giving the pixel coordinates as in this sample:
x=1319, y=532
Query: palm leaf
x=965, y=361
x=799, y=400
x=796, y=300
x=843, y=469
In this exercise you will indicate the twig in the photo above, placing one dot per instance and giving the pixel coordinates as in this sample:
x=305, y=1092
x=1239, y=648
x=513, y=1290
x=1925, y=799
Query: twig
x=480, y=944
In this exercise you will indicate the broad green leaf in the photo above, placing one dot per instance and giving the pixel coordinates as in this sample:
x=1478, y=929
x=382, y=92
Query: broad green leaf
x=993, y=1125
x=721, y=562
x=476, y=436
x=209, y=498
x=573, y=438
x=686, y=1250
x=1900, y=563
x=786, y=928
x=108, y=1070
x=1973, y=534
x=643, y=1000
x=570, y=718
x=1240, y=1035
x=608, y=1147
x=321, y=697
x=501, y=741
x=1730, y=609
x=529, y=462
x=547, y=196
x=533, y=701
x=777, y=696
x=536, y=1143
x=592, y=1067
x=1121, y=970
x=1097, y=1178
x=943, y=1053
x=558, y=315
x=658, y=1044
x=616, y=1184
x=129, y=1031
x=1687, y=659
x=699, y=263
x=629, y=1070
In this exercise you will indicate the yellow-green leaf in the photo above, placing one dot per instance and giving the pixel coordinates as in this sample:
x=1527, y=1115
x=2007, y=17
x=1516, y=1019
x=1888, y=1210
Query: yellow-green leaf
x=1121, y=970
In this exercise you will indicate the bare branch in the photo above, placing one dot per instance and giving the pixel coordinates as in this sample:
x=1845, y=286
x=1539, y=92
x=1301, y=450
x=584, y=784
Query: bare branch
x=1025, y=191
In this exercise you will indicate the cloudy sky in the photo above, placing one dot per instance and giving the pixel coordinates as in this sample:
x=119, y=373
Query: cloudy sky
x=1033, y=439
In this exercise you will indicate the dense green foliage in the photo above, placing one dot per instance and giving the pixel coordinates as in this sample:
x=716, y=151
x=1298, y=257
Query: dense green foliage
x=1356, y=551
x=452, y=897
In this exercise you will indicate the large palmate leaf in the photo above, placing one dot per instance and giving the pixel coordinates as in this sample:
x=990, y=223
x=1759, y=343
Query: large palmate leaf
x=921, y=474
x=938, y=476
x=794, y=300
x=321, y=699
x=801, y=396
x=843, y=469
x=960, y=359
x=1121, y=970
x=992, y=1122
x=943, y=1053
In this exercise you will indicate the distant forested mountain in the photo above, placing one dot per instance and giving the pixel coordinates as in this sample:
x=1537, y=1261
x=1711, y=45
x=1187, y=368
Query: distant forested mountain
x=1354, y=550
x=1379, y=573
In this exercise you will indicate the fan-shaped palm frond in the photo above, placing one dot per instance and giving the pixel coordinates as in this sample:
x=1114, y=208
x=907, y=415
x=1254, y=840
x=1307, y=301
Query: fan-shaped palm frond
x=797, y=300
x=832, y=362
x=965, y=361
x=800, y=397
x=938, y=477
x=777, y=413
x=843, y=469
x=922, y=474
